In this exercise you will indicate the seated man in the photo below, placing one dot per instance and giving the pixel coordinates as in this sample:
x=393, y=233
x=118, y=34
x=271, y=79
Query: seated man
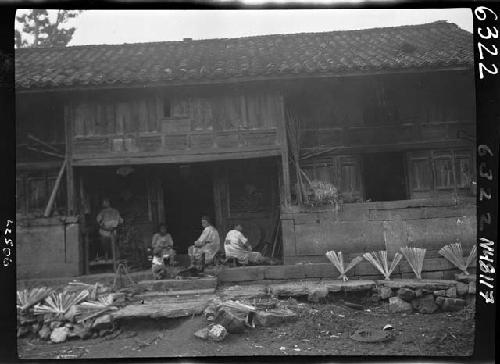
x=236, y=246
x=163, y=252
x=207, y=244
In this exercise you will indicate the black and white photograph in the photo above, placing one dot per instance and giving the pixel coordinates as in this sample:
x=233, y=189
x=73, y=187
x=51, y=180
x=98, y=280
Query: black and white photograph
x=252, y=182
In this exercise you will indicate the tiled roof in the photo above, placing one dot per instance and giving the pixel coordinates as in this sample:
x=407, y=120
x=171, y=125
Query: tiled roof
x=426, y=46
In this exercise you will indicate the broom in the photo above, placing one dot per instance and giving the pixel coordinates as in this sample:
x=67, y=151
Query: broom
x=380, y=261
x=415, y=258
x=453, y=252
x=338, y=261
x=30, y=297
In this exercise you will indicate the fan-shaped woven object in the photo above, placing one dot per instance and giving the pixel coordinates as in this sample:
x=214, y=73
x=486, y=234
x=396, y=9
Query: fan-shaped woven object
x=338, y=261
x=453, y=253
x=415, y=258
x=380, y=261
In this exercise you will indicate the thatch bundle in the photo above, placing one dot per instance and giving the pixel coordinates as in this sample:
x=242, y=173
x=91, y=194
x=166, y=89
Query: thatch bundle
x=453, y=252
x=380, y=261
x=29, y=297
x=415, y=258
x=60, y=303
x=338, y=261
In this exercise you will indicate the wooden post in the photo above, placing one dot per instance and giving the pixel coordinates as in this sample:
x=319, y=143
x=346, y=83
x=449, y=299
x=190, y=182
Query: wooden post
x=285, y=167
x=70, y=193
x=52, y=198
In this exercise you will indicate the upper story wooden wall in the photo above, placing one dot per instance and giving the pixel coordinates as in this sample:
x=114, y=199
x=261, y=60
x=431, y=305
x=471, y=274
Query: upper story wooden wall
x=399, y=109
x=148, y=123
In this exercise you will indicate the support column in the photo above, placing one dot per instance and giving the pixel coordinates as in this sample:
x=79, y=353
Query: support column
x=285, y=166
x=70, y=184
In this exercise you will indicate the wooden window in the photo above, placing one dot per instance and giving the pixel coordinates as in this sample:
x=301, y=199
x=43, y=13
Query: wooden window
x=37, y=192
x=463, y=170
x=421, y=175
x=443, y=173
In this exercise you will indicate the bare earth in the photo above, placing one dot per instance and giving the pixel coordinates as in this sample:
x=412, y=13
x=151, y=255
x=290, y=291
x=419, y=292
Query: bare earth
x=322, y=329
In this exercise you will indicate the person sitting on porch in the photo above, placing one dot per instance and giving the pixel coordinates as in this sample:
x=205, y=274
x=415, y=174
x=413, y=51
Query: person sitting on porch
x=236, y=246
x=108, y=220
x=207, y=244
x=163, y=252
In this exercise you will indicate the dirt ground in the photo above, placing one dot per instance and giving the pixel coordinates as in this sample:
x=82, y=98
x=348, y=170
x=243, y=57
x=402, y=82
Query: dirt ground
x=321, y=329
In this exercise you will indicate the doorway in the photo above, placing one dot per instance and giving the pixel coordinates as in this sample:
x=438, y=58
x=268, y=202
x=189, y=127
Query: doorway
x=384, y=176
x=188, y=195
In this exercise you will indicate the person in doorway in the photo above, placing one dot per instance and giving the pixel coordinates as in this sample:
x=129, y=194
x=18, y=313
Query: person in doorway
x=236, y=246
x=207, y=244
x=108, y=220
x=163, y=252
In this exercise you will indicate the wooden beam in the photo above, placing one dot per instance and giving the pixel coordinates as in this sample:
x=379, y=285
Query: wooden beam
x=46, y=152
x=41, y=142
x=52, y=198
x=285, y=164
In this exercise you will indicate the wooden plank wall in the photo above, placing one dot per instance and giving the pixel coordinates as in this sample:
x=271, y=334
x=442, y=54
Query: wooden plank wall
x=148, y=123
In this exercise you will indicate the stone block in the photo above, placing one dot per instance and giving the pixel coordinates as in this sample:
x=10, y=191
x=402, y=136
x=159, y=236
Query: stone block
x=451, y=292
x=440, y=293
x=104, y=322
x=44, y=333
x=318, y=294
x=59, y=334
x=397, y=305
x=406, y=294
x=202, y=333
x=462, y=289
x=439, y=300
x=452, y=304
x=419, y=292
x=217, y=333
x=384, y=292
x=472, y=287
x=296, y=271
x=274, y=317
x=425, y=304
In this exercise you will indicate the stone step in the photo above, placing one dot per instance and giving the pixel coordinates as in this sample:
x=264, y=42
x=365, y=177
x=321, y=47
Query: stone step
x=179, y=284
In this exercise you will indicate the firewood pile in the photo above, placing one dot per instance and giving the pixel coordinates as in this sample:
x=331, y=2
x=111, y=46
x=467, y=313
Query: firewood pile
x=78, y=310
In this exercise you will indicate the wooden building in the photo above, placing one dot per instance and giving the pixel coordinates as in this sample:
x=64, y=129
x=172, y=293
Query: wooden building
x=171, y=131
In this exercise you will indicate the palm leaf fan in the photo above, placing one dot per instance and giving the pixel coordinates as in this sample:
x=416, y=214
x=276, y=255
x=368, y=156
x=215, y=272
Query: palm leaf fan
x=29, y=297
x=60, y=303
x=338, y=261
x=380, y=261
x=415, y=258
x=453, y=253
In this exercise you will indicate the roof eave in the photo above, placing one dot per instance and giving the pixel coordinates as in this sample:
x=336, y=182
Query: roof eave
x=177, y=83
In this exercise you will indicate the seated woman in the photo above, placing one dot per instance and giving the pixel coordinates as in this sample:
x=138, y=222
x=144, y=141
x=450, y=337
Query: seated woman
x=163, y=252
x=207, y=244
x=236, y=246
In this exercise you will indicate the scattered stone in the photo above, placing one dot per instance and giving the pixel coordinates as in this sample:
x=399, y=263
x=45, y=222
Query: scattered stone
x=274, y=317
x=397, y=305
x=453, y=304
x=441, y=293
x=439, y=300
x=234, y=321
x=59, y=334
x=419, y=292
x=472, y=287
x=202, y=333
x=462, y=289
x=44, y=333
x=406, y=294
x=375, y=298
x=317, y=295
x=104, y=322
x=217, y=333
x=80, y=331
x=425, y=304
x=451, y=292
x=384, y=292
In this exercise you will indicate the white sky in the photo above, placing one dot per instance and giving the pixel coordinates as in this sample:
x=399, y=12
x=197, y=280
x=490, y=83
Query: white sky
x=132, y=26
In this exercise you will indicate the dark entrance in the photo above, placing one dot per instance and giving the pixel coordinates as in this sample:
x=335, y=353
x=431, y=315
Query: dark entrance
x=188, y=195
x=384, y=176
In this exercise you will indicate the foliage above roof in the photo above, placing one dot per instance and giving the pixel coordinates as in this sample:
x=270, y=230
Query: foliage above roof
x=437, y=45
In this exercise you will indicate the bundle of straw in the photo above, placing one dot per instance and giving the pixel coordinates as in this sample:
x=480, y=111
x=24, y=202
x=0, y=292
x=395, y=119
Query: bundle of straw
x=338, y=261
x=380, y=261
x=415, y=258
x=29, y=297
x=453, y=252
x=60, y=303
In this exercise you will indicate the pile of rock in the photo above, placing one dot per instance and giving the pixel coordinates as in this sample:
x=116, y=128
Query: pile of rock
x=84, y=320
x=427, y=300
x=234, y=317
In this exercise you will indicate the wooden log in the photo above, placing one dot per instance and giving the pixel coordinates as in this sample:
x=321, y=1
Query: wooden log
x=161, y=310
x=52, y=198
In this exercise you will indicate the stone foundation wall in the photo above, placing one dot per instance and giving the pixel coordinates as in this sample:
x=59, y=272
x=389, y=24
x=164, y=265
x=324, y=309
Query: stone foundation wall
x=372, y=226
